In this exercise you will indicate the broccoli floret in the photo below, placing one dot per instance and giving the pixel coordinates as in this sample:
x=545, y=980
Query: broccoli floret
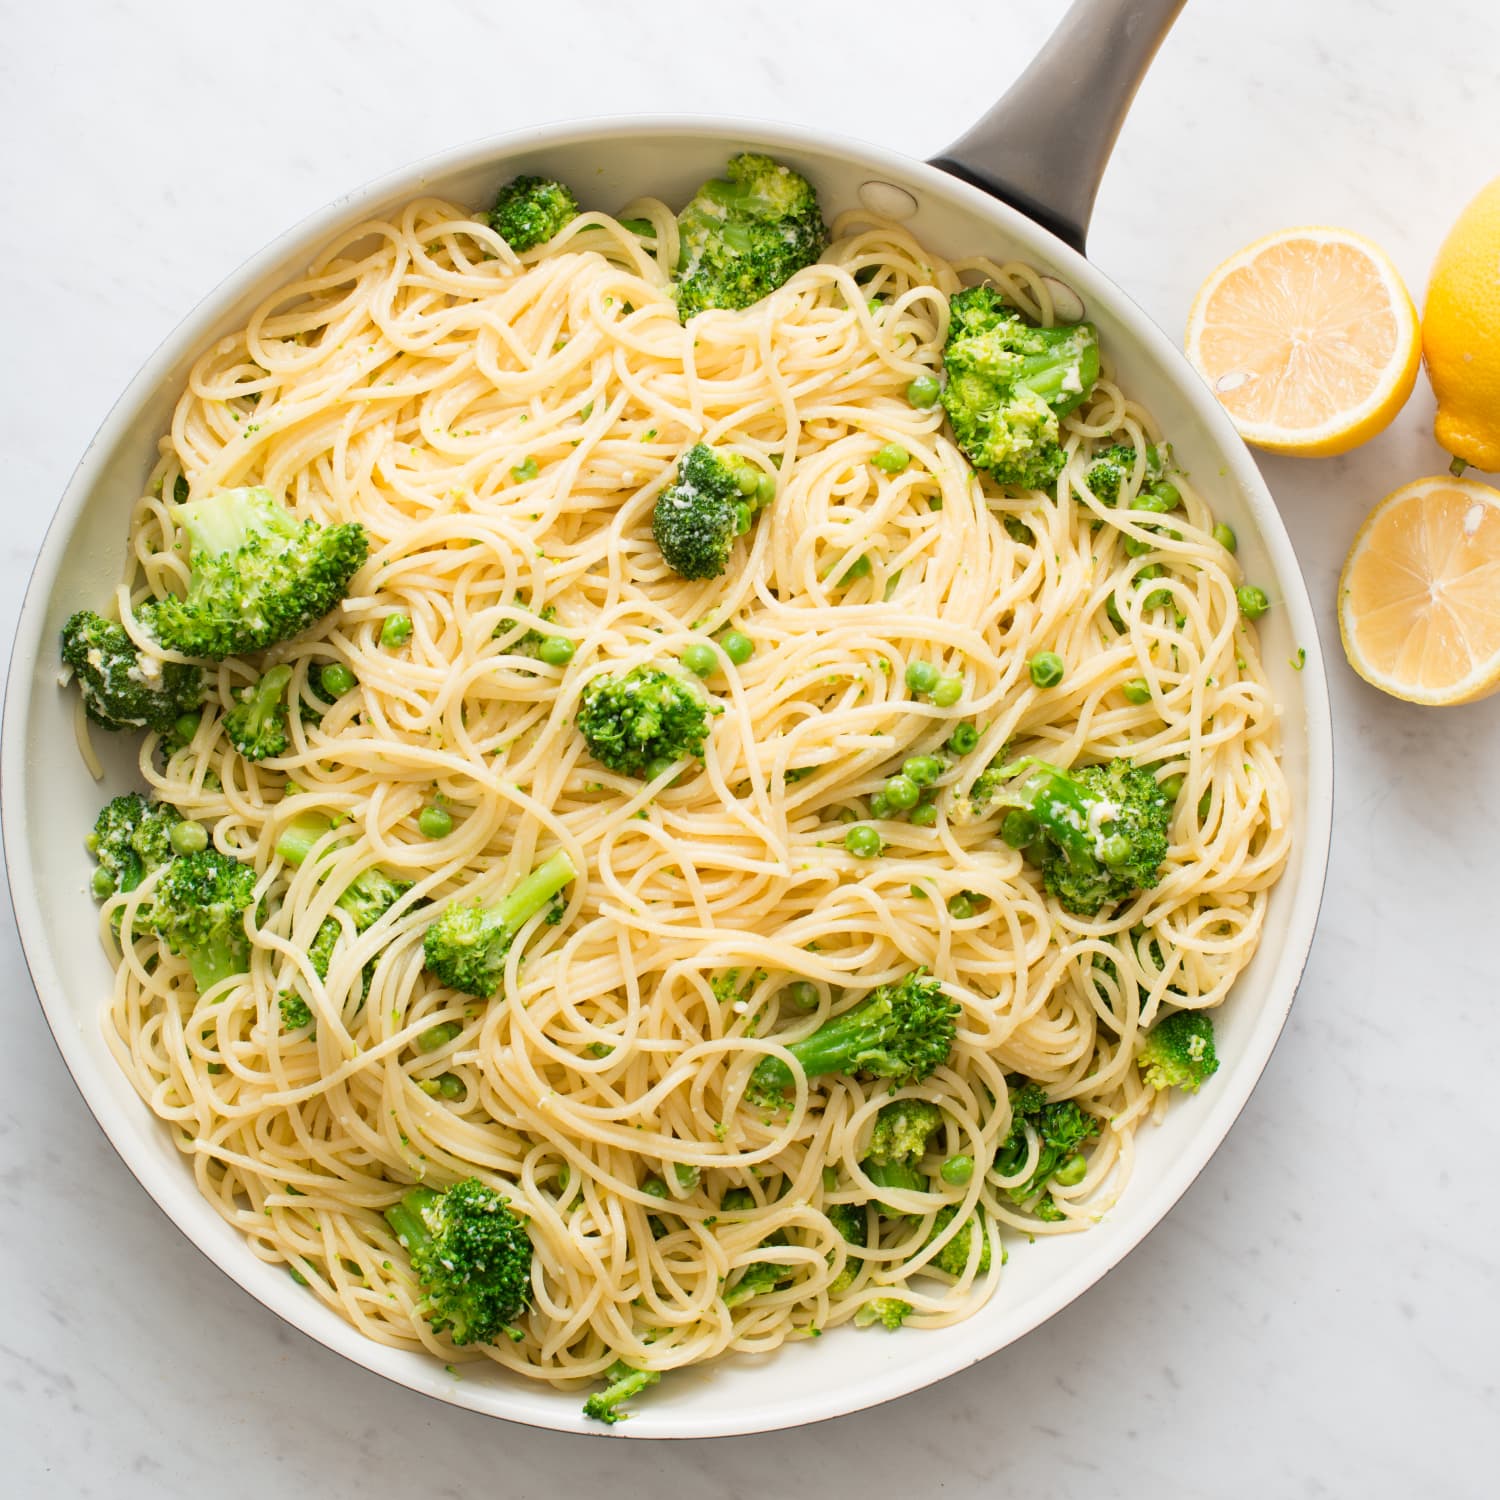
x=759, y=1276
x=745, y=234
x=1111, y=468
x=640, y=723
x=531, y=210
x=1099, y=833
x=131, y=838
x=529, y=643
x=1179, y=1050
x=124, y=688
x=696, y=519
x=466, y=947
x=198, y=909
x=366, y=898
x=470, y=1254
x=849, y=1219
x=902, y=1130
x=258, y=575
x=295, y=1011
x=625, y=1381
x=256, y=725
x=889, y=1312
x=1009, y=382
x=954, y=1256
x=1061, y=1130
x=901, y=1031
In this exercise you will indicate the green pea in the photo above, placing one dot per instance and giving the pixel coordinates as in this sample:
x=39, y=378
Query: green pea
x=189, y=837
x=746, y=480
x=948, y=691
x=921, y=676
x=396, y=631
x=444, y=1086
x=688, y=1177
x=1171, y=788
x=1018, y=829
x=1225, y=537
x=556, y=650
x=739, y=648
x=1151, y=500
x=891, y=459
x=963, y=739
x=960, y=906
x=1071, y=1172
x=923, y=769
x=801, y=993
x=700, y=659
x=765, y=489
x=654, y=1187
x=1134, y=547
x=923, y=391
x=102, y=884
x=1137, y=690
x=902, y=793
x=1165, y=490
x=1112, y=609
x=859, y=568
x=957, y=1170
x=880, y=804
x=863, y=842
x=924, y=815
x=743, y=516
x=186, y=727
x=337, y=679
x=1253, y=601
x=1158, y=599
x=523, y=471
x=435, y=822
x=1113, y=850
x=437, y=1037
x=830, y=1179
x=1047, y=669
x=1205, y=804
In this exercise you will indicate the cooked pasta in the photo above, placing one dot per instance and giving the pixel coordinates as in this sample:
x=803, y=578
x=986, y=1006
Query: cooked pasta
x=501, y=426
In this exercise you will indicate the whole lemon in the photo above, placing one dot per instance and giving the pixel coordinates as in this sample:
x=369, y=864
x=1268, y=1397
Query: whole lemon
x=1461, y=333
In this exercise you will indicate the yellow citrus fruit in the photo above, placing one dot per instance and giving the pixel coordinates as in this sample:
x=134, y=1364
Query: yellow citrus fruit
x=1419, y=597
x=1309, y=340
x=1461, y=333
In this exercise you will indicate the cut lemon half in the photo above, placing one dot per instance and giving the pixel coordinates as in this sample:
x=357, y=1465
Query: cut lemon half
x=1419, y=597
x=1308, y=338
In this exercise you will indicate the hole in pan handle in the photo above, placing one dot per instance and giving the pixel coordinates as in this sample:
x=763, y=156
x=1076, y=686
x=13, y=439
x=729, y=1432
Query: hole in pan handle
x=1044, y=146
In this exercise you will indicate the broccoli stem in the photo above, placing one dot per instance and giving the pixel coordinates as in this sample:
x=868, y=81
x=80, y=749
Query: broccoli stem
x=223, y=522
x=532, y=894
x=895, y=1174
x=216, y=959
x=295, y=841
x=405, y=1217
x=1060, y=806
x=829, y=1049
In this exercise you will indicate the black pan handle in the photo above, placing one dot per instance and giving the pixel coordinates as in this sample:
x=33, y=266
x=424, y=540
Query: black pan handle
x=1044, y=146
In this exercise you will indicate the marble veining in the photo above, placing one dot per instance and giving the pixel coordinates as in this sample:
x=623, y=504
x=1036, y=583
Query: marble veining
x=1319, y=1315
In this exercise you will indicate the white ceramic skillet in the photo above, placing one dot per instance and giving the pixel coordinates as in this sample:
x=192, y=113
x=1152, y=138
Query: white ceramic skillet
x=1042, y=149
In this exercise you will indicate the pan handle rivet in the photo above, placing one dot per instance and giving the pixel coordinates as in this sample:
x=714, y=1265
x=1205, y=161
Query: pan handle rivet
x=887, y=200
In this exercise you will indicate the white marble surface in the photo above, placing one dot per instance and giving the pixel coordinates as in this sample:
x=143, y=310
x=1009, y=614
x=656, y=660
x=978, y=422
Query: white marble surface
x=1320, y=1314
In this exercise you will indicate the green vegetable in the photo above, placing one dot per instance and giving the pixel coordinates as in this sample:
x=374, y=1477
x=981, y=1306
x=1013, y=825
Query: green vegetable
x=532, y=210
x=1047, y=669
x=901, y=792
x=957, y=1170
x=737, y=647
x=745, y=234
x=1111, y=468
x=131, y=838
x=466, y=947
x=889, y=1312
x=963, y=739
x=257, y=724
x=435, y=822
x=435, y=1038
x=902, y=1130
x=863, y=842
x=258, y=576
x=471, y=1256
x=921, y=676
x=1009, y=382
x=1252, y=601
x=395, y=631
x=188, y=838
x=336, y=679
x=954, y=1256
x=526, y=469
x=1059, y=1130
x=892, y=459
x=1179, y=1050
x=366, y=898
x=198, y=909
x=922, y=769
x=900, y=1031
x=924, y=391
x=1098, y=833
x=645, y=715
x=948, y=691
x=625, y=1382
x=1137, y=690
x=1225, y=537
x=700, y=659
x=697, y=517
x=121, y=687
x=556, y=650
x=802, y=993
